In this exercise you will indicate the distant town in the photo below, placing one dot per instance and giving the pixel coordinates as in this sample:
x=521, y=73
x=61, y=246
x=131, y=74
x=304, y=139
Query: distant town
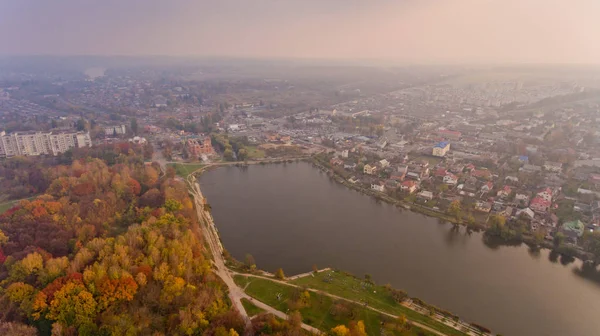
x=511, y=152
x=523, y=148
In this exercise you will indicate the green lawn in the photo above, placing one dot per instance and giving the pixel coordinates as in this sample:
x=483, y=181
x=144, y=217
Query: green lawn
x=184, y=169
x=255, y=153
x=6, y=206
x=321, y=311
x=251, y=309
x=355, y=289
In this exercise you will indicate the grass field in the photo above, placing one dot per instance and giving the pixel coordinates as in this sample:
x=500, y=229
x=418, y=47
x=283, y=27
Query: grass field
x=183, y=170
x=255, y=153
x=322, y=312
x=251, y=309
x=6, y=206
x=350, y=287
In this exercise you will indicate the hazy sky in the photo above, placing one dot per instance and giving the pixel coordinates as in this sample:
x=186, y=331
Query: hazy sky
x=548, y=31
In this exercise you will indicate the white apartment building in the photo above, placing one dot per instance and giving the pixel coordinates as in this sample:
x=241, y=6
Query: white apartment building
x=41, y=143
x=112, y=130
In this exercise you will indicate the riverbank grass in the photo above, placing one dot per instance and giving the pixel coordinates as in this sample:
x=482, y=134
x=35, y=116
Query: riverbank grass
x=185, y=169
x=321, y=311
x=250, y=308
x=378, y=297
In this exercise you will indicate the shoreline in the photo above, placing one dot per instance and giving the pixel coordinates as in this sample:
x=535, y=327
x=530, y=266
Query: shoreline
x=528, y=240
x=413, y=303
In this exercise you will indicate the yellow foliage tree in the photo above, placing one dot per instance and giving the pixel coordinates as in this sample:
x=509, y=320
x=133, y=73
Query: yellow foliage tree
x=340, y=330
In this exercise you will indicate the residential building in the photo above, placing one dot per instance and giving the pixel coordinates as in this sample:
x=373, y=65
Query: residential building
x=345, y=153
x=41, y=143
x=538, y=204
x=115, y=130
x=573, y=230
x=378, y=187
x=448, y=134
x=450, y=179
x=504, y=192
x=440, y=149
x=409, y=186
x=384, y=163
x=426, y=195
x=369, y=170
x=545, y=194
x=197, y=147
x=483, y=206
x=526, y=212
x=553, y=166
x=530, y=168
x=487, y=187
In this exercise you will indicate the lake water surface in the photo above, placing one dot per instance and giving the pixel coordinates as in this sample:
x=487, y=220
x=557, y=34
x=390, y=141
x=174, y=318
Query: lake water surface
x=293, y=216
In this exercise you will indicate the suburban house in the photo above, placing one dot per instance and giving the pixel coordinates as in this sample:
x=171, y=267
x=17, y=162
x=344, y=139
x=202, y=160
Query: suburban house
x=369, y=170
x=487, y=187
x=450, y=179
x=553, y=166
x=378, y=187
x=483, y=206
x=504, y=192
x=413, y=176
x=538, y=204
x=336, y=162
x=526, y=212
x=384, y=163
x=507, y=212
x=530, y=168
x=573, y=230
x=449, y=134
x=426, y=195
x=546, y=194
x=350, y=166
x=481, y=173
x=440, y=149
x=403, y=169
x=522, y=198
x=512, y=179
x=345, y=153
x=409, y=186
x=353, y=180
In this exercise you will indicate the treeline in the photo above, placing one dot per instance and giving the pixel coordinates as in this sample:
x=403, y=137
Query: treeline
x=109, y=250
x=233, y=148
x=22, y=177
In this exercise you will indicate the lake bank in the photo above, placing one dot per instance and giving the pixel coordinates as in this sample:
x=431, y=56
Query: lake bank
x=292, y=216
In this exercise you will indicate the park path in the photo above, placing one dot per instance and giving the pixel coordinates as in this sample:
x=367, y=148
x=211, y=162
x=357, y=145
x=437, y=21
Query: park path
x=418, y=324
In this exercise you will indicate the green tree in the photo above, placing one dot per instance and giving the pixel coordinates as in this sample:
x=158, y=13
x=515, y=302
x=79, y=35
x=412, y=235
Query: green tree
x=228, y=154
x=455, y=210
x=134, y=126
x=242, y=154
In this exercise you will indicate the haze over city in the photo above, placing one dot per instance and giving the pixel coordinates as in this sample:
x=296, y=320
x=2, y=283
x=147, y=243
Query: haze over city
x=424, y=31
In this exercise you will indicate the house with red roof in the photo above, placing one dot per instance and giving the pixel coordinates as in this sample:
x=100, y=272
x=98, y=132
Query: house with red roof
x=539, y=204
x=504, y=192
x=487, y=187
x=545, y=194
x=409, y=186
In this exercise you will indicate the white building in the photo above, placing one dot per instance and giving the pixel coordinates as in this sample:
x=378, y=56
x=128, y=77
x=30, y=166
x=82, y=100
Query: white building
x=553, y=166
x=378, y=187
x=41, y=143
x=345, y=153
x=112, y=130
x=440, y=149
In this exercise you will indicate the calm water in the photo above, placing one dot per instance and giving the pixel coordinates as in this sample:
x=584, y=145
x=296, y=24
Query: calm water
x=294, y=216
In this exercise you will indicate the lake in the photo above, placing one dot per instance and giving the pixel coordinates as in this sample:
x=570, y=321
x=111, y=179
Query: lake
x=293, y=216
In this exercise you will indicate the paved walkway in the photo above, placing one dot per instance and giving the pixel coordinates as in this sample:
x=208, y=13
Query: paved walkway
x=420, y=325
